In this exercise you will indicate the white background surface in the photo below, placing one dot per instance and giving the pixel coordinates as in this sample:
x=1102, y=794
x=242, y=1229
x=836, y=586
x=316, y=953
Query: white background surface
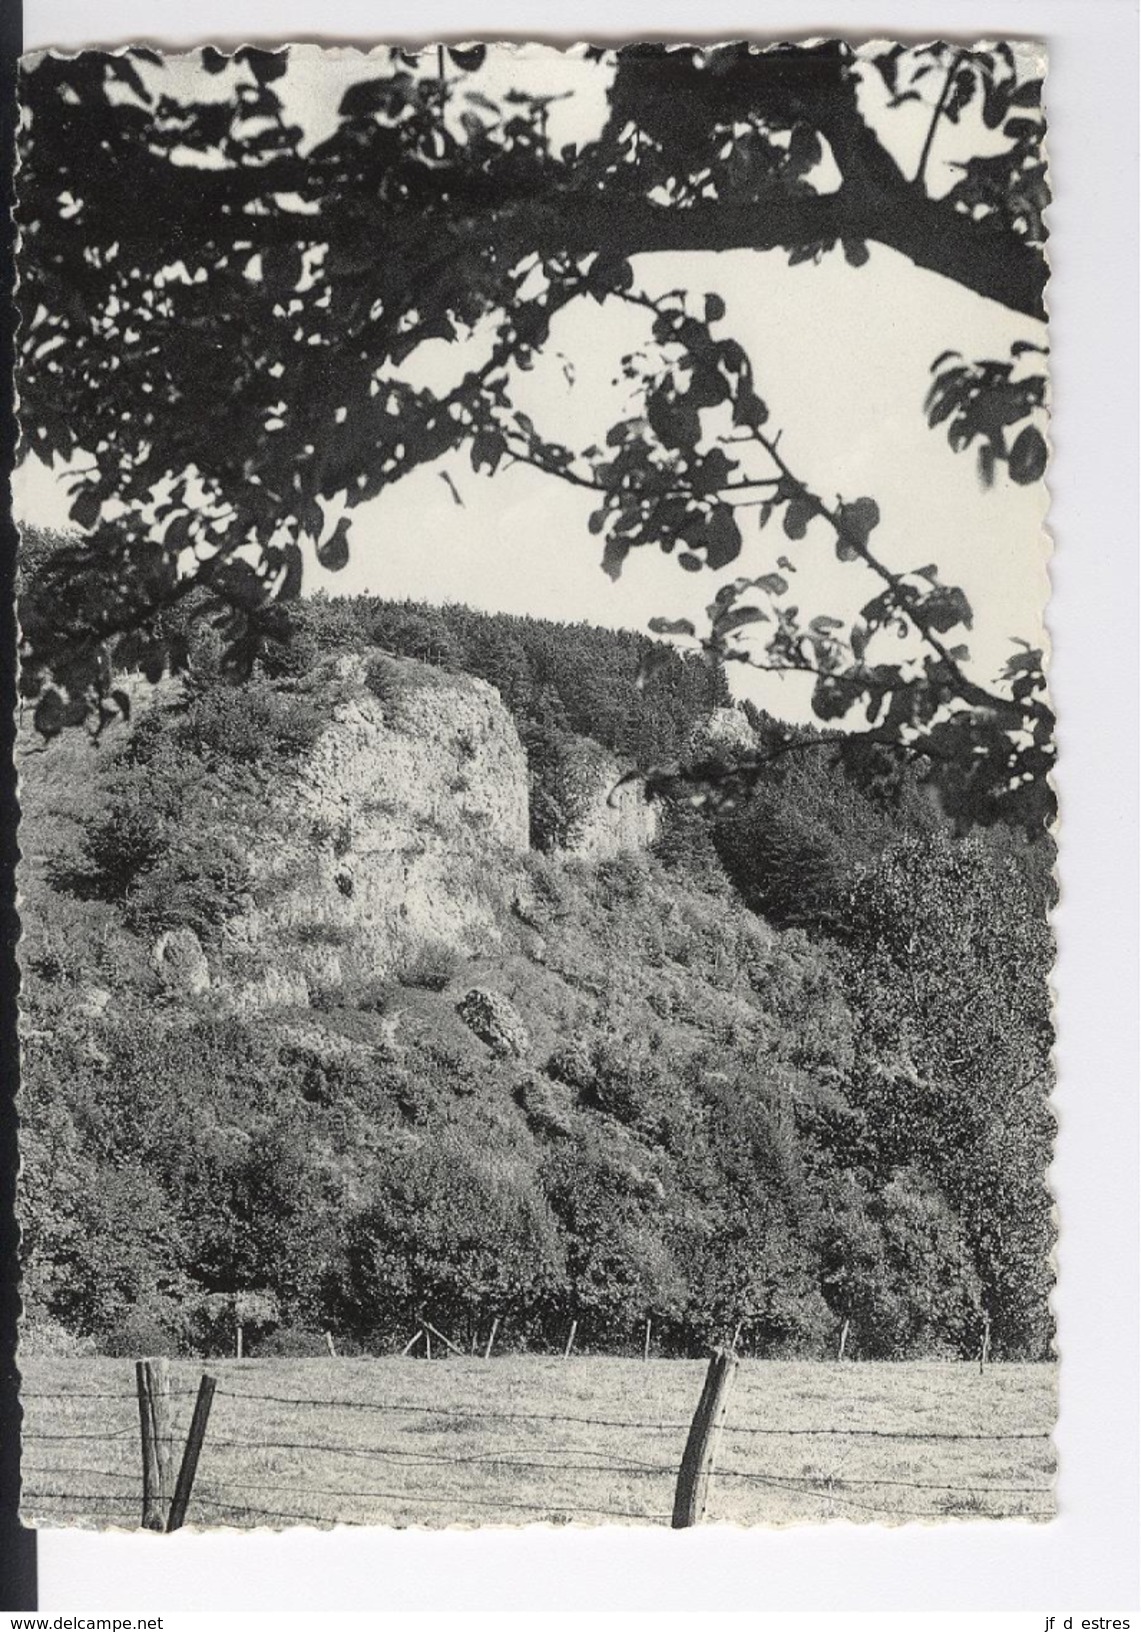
x=1086, y=1562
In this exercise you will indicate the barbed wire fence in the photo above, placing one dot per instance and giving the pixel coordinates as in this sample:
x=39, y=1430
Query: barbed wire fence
x=645, y=1470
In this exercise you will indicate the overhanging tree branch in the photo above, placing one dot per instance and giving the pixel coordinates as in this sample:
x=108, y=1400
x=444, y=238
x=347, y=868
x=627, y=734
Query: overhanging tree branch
x=931, y=234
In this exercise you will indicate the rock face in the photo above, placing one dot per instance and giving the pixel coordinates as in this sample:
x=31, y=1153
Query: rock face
x=392, y=835
x=614, y=818
x=391, y=848
x=91, y=1002
x=181, y=963
x=495, y=1022
x=722, y=734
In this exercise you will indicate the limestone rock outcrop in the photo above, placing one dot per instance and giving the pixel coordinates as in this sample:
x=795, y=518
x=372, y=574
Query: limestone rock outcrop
x=614, y=815
x=395, y=831
x=496, y=1022
x=181, y=963
x=724, y=733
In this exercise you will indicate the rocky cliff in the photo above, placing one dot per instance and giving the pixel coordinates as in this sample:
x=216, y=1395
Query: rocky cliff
x=614, y=815
x=394, y=844
x=393, y=840
x=723, y=734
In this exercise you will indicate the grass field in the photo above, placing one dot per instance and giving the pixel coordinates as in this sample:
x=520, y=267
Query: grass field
x=524, y=1440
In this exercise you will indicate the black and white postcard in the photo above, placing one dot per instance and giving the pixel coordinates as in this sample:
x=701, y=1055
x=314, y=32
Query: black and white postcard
x=535, y=769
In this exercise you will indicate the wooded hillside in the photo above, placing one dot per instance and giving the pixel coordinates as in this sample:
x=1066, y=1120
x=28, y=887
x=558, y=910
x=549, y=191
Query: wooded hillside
x=787, y=1070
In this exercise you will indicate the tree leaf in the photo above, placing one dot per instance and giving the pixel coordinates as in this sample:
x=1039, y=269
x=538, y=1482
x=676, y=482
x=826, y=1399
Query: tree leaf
x=772, y=583
x=739, y=618
x=673, y=423
x=366, y=97
x=859, y=518
x=613, y=557
x=487, y=449
x=651, y=663
x=468, y=57
x=266, y=66
x=291, y=583
x=1028, y=456
x=333, y=554
x=86, y=508
x=797, y=517
x=749, y=410
x=722, y=537
x=1028, y=95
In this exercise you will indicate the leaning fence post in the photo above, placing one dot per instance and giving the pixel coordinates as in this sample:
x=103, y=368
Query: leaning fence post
x=692, y=1491
x=984, y=1346
x=191, y=1451
x=843, y=1339
x=443, y=1336
x=646, y=1344
x=491, y=1338
x=570, y=1340
x=152, y=1382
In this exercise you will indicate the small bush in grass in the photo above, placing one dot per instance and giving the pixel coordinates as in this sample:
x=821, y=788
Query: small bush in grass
x=291, y=1343
x=250, y=724
x=431, y=966
x=572, y=1064
x=145, y=1329
x=45, y=1339
x=545, y=1106
x=398, y=684
x=320, y=933
x=623, y=880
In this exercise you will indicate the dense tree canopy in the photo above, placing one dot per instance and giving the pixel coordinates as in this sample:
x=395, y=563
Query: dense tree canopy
x=223, y=326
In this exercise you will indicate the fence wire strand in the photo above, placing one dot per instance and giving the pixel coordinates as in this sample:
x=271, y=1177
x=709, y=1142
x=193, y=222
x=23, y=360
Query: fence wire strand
x=482, y=1415
x=475, y=1414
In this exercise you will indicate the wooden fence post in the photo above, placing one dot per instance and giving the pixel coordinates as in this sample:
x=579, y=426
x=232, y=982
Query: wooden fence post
x=152, y=1382
x=491, y=1338
x=443, y=1336
x=197, y=1433
x=692, y=1493
x=570, y=1340
x=843, y=1339
x=646, y=1344
x=984, y=1346
x=330, y=1345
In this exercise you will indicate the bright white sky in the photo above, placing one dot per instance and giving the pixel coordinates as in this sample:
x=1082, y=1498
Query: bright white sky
x=842, y=356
